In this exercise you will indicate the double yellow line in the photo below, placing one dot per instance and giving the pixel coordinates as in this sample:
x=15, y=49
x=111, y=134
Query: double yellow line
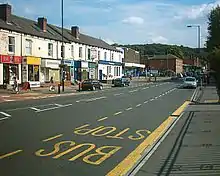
x=129, y=162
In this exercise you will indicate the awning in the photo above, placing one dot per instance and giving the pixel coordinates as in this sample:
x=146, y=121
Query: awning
x=134, y=65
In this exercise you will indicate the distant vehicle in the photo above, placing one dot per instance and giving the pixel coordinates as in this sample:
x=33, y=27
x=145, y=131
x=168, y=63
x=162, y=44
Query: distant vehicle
x=123, y=81
x=190, y=82
x=91, y=85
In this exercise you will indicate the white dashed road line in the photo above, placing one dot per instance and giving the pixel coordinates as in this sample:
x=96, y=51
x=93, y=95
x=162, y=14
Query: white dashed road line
x=5, y=114
x=118, y=94
x=117, y=113
x=35, y=109
x=133, y=91
x=138, y=105
x=128, y=109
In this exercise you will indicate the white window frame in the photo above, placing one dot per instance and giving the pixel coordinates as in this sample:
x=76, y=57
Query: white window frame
x=28, y=41
x=72, y=51
x=105, y=55
x=12, y=45
x=50, y=49
x=80, y=52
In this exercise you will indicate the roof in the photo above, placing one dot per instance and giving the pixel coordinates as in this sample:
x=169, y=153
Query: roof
x=84, y=39
x=27, y=26
x=169, y=56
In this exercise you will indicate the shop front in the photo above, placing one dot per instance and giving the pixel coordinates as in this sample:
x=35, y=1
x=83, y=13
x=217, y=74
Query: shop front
x=108, y=70
x=50, y=68
x=81, y=70
x=133, y=69
x=69, y=70
x=93, y=70
x=10, y=67
x=31, y=70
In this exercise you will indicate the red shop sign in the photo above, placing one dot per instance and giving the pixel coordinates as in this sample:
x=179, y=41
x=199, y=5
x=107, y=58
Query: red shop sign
x=10, y=59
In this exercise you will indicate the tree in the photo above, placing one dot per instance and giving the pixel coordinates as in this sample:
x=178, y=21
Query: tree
x=213, y=44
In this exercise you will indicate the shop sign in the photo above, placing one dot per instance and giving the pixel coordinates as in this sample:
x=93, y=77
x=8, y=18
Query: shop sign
x=10, y=59
x=68, y=62
x=33, y=60
x=110, y=63
x=34, y=83
x=52, y=64
x=84, y=64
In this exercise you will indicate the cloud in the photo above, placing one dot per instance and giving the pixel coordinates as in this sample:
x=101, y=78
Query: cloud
x=126, y=21
x=133, y=20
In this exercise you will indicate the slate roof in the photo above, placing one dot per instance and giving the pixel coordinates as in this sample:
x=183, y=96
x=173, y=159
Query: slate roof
x=84, y=39
x=27, y=26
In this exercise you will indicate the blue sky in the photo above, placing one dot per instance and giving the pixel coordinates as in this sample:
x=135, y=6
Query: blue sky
x=125, y=21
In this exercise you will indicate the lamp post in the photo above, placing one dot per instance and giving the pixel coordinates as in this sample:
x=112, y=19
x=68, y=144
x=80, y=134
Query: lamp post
x=62, y=52
x=199, y=36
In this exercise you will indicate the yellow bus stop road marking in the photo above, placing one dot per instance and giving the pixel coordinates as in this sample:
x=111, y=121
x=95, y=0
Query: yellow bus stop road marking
x=51, y=138
x=211, y=101
x=10, y=154
x=181, y=108
x=125, y=165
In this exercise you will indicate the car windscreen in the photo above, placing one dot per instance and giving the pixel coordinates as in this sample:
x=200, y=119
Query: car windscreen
x=87, y=82
x=190, y=79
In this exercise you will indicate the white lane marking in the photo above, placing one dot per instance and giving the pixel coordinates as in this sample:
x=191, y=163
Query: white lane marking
x=93, y=99
x=29, y=107
x=152, y=99
x=146, y=102
x=117, y=113
x=8, y=100
x=35, y=109
x=52, y=108
x=118, y=94
x=58, y=105
x=155, y=98
x=160, y=96
x=133, y=91
x=138, y=105
x=3, y=118
x=128, y=109
x=5, y=96
x=144, y=88
x=5, y=114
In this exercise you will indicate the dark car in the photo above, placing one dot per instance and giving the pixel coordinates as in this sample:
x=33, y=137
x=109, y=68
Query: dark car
x=91, y=85
x=123, y=81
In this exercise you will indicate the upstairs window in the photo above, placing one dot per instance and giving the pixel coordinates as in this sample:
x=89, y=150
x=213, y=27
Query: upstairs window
x=28, y=47
x=89, y=54
x=72, y=51
x=98, y=55
x=11, y=44
x=112, y=57
x=50, y=49
x=80, y=52
x=105, y=55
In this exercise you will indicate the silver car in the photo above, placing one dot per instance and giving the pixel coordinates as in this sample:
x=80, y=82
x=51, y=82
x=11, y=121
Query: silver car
x=190, y=82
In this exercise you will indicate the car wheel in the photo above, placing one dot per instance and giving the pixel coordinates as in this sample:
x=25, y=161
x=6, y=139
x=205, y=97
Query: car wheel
x=100, y=87
x=93, y=88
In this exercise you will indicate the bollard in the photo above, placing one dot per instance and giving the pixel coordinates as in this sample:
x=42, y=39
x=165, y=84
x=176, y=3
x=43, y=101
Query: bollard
x=155, y=78
x=58, y=89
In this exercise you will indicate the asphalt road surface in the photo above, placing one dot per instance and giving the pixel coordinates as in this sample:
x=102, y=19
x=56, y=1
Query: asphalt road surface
x=83, y=135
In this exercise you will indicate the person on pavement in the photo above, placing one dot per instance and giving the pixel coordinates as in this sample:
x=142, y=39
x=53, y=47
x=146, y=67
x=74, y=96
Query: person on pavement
x=52, y=88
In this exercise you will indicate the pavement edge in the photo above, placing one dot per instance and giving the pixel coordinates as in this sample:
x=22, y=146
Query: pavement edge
x=126, y=166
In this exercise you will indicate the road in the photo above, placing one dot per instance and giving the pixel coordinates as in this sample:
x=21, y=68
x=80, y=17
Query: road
x=91, y=134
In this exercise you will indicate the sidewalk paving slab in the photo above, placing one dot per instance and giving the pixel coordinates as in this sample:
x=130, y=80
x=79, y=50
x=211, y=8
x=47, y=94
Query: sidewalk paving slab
x=193, y=145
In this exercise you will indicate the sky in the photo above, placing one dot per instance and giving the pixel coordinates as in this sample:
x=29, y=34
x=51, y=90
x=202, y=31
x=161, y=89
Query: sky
x=125, y=21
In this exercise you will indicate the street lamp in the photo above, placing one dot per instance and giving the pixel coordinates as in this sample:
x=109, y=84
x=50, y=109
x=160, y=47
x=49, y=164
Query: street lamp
x=199, y=34
x=62, y=52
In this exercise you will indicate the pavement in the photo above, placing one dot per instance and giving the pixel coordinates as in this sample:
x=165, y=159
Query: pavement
x=100, y=133
x=43, y=92
x=192, y=146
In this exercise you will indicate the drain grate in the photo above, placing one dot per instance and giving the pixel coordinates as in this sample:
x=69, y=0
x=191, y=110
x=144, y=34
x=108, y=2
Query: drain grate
x=207, y=121
x=206, y=145
x=206, y=131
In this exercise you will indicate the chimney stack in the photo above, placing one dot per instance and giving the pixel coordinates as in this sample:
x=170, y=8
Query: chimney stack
x=42, y=22
x=5, y=12
x=75, y=31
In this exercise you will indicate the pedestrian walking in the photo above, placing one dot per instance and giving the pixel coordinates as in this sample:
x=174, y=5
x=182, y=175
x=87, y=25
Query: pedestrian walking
x=52, y=88
x=15, y=85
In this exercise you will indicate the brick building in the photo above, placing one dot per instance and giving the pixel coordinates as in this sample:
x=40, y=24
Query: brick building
x=166, y=62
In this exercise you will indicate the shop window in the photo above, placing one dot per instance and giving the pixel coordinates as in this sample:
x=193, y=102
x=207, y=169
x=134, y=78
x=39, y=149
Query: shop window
x=9, y=72
x=72, y=51
x=50, y=49
x=28, y=47
x=80, y=52
x=98, y=55
x=89, y=54
x=33, y=72
x=11, y=44
x=105, y=55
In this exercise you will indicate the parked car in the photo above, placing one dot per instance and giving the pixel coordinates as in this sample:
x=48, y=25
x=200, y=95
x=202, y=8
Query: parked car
x=190, y=82
x=123, y=81
x=91, y=85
